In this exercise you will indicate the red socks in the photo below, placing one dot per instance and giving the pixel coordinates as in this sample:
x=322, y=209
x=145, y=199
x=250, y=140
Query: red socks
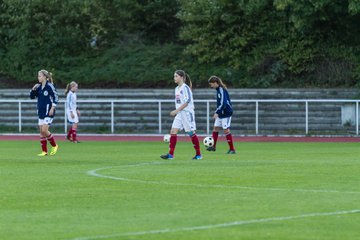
x=230, y=141
x=51, y=139
x=43, y=144
x=215, y=136
x=173, y=140
x=73, y=134
x=195, y=141
x=69, y=135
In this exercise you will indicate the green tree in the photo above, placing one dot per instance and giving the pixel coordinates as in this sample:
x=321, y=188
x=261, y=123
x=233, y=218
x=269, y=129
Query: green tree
x=63, y=36
x=258, y=43
x=272, y=41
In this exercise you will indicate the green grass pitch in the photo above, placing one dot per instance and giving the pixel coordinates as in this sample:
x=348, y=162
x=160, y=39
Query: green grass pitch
x=123, y=190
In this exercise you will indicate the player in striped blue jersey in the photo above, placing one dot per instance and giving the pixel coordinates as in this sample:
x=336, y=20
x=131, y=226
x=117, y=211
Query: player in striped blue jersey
x=72, y=112
x=184, y=115
x=47, y=99
x=222, y=113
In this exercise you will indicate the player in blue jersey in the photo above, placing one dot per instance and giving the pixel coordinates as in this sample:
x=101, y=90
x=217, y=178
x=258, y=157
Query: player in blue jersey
x=47, y=99
x=222, y=113
x=184, y=115
x=72, y=112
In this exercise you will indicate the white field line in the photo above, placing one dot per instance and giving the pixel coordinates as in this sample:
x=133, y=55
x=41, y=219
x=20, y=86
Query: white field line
x=95, y=174
x=220, y=225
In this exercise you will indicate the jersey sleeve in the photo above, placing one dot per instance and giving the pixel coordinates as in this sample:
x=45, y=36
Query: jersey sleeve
x=187, y=95
x=53, y=94
x=221, y=107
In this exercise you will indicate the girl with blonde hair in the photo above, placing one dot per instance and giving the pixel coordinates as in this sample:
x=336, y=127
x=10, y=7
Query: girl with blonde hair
x=72, y=112
x=47, y=98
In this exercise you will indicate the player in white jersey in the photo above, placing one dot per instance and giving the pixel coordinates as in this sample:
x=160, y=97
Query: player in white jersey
x=72, y=112
x=184, y=115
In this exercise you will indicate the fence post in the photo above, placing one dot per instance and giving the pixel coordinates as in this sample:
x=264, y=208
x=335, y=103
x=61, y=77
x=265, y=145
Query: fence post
x=160, y=123
x=207, y=118
x=112, y=116
x=19, y=116
x=257, y=117
x=357, y=117
x=306, y=117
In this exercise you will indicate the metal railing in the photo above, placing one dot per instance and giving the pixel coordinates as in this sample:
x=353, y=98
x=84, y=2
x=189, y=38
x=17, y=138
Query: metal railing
x=159, y=103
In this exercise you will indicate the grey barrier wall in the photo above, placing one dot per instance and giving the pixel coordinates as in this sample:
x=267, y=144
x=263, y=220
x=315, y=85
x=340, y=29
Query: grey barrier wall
x=151, y=116
x=146, y=111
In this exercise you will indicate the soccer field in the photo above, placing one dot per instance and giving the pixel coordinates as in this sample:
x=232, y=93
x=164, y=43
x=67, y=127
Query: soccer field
x=123, y=190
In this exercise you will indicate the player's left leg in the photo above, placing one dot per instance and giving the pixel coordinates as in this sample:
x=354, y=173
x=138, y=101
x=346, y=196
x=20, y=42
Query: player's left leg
x=226, y=122
x=230, y=141
x=190, y=128
x=74, y=127
x=74, y=132
x=196, y=144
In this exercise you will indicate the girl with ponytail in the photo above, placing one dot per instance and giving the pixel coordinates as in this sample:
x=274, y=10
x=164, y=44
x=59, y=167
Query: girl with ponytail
x=72, y=112
x=222, y=113
x=184, y=115
x=47, y=98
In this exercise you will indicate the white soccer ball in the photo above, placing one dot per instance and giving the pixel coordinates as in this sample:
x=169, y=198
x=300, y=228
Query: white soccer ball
x=167, y=138
x=208, y=142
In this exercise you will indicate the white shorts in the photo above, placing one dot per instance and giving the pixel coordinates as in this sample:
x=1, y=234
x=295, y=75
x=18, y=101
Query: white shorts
x=185, y=120
x=223, y=122
x=70, y=119
x=47, y=120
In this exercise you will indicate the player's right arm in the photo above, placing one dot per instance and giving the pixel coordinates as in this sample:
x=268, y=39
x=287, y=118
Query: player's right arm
x=185, y=99
x=33, y=92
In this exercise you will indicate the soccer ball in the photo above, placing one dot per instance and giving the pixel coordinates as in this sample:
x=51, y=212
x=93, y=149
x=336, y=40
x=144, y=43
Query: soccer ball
x=167, y=138
x=208, y=142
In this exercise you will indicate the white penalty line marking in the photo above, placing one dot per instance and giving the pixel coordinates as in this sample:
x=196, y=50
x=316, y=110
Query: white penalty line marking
x=95, y=174
x=220, y=225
